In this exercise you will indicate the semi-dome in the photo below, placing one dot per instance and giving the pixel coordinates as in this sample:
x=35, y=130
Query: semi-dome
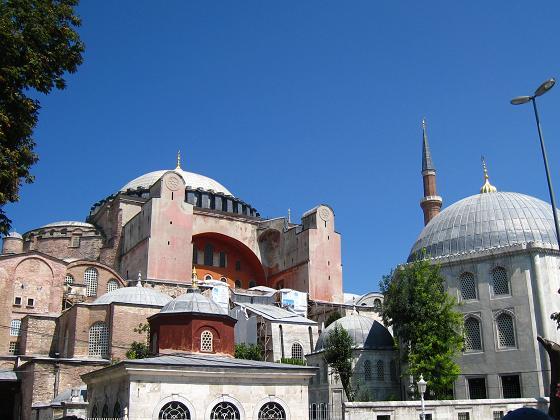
x=367, y=333
x=136, y=295
x=73, y=223
x=486, y=221
x=193, y=302
x=191, y=180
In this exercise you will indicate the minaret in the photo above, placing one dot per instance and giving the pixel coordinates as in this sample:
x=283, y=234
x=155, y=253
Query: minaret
x=431, y=202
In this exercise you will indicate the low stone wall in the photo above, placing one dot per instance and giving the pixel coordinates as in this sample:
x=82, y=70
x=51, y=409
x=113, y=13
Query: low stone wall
x=440, y=410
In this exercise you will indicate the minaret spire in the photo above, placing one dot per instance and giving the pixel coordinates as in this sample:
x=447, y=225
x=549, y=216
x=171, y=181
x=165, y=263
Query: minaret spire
x=431, y=202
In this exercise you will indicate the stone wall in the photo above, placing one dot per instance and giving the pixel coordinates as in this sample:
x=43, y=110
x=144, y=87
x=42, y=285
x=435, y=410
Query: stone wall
x=440, y=410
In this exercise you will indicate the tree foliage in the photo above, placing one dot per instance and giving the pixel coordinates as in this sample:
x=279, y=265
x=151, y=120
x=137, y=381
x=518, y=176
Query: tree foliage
x=137, y=351
x=248, y=351
x=426, y=323
x=338, y=355
x=38, y=45
x=332, y=317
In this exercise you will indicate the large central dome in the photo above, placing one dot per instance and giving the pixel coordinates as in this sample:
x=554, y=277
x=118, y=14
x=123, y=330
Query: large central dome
x=487, y=221
x=191, y=179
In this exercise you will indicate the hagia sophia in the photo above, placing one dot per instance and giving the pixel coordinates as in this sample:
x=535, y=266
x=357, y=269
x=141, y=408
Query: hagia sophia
x=174, y=259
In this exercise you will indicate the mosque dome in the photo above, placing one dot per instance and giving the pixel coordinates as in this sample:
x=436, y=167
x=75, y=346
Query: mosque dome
x=14, y=235
x=72, y=223
x=486, y=221
x=193, y=302
x=367, y=333
x=136, y=295
x=192, y=180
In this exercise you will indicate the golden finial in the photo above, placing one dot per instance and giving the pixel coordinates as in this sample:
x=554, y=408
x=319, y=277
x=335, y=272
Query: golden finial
x=194, y=277
x=487, y=187
x=178, y=159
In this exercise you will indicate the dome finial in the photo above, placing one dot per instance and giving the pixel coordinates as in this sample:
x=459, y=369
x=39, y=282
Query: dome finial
x=178, y=159
x=194, y=278
x=487, y=187
x=139, y=283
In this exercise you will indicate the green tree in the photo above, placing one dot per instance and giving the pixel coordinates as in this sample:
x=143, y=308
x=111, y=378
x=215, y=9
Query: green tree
x=338, y=355
x=425, y=322
x=137, y=351
x=38, y=45
x=332, y=317
x=248, y=351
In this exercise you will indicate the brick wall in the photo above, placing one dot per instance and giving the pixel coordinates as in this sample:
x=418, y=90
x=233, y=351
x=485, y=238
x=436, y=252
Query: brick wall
x=38, y=335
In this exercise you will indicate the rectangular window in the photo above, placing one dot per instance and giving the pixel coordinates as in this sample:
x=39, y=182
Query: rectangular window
x=511, y=387
x=222, y=259
x=477, y=388
x=17, y=300
x=74, y=242
x=14, y=347
x=237, y=265
x=383, y=417
x=465, y=415
x=30, y=302
x=208, y=255
x=195, y=256
x=15, y=326
x=498, y=415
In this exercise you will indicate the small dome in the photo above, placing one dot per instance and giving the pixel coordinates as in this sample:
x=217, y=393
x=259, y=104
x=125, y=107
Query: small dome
x=69, y=223
x=487, y=221
x=14, y=235
x=136, y=295
x=193, y=301
x=191, y=180
x=367, y=333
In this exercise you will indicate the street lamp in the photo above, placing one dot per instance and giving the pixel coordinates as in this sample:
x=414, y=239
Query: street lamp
x=421, y=389
x=542, y=89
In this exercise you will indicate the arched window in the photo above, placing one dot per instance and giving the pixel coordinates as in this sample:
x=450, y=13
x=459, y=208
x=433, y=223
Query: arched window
x=237, y=284
x=380, y=368
x=367, y=370
x=377, y=304
x=393, y=370
x=223, y=279
x=98, y=344
x=473, y=336
x=117, y=412
x=252, y=283
x=272, y=411
x=69, y=279
x=206, y=342
x=208, y=277
x=174, y=410
x=105, y=411
x=505, y=330
x=112, y=285
x=90, y=280
x=297, y=351
x=467, y=285
x=500, y=283
x=313, y=411
x=225, y=411
x=323, y=411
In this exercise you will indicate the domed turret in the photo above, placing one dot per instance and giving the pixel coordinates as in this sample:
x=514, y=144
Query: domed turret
x=12, y=244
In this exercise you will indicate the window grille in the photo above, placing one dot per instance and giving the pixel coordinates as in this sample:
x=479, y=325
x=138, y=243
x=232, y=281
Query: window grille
x=15, y=327
x=112, y=285
x=380, y=368
x=477, y=388
x=13, y=347
x=367, y=370
x=468, y=286
x=297, y=351
x=272, y=411
x=465, y=415
x=393, y=370
x=98, y=344
x=206, y=341
x=511, y=388
x=174, y=410
x=473, y=341
x=506, y=333
x=500, y=281
x=225, y=411
x=497, y=415
x=90, y=280
x=69, y=279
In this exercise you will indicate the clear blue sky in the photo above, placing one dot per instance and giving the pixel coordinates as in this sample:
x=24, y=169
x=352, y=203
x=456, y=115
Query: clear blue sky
x=294, y=103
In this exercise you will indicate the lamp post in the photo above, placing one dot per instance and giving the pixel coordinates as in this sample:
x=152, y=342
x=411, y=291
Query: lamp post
x=421, y=389
x=542, y=89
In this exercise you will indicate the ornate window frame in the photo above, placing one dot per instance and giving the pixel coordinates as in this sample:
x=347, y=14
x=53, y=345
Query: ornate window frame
x=228, y=399
x=171, y=398
x=480, y=324
x=510, y=313
x=271, y=398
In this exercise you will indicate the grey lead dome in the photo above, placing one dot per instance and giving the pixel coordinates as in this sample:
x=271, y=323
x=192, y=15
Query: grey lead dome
x=193, y=301
x=367, y=333
x=487, y=221
x=137, y=295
